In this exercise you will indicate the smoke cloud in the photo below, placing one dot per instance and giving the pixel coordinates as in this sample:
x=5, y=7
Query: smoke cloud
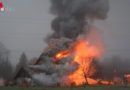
x=72, y=20
x=72, y=16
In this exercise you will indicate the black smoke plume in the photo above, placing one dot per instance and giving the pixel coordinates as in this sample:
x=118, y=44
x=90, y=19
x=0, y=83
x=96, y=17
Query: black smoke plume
x=71, y=20
x=72, y=16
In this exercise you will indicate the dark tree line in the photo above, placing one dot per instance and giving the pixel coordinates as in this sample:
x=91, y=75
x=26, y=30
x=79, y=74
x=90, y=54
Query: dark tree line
x=6, y=69
x=115, y=66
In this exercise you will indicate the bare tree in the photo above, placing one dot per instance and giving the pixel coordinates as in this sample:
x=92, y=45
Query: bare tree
x=88, y=67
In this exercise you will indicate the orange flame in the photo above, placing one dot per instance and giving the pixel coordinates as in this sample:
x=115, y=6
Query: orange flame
x=62, y=54
x=85, y=52
x=84, y=55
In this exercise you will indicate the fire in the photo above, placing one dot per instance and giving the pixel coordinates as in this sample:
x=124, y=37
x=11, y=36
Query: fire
x=59, y=55
x=107, y=82
x=84, y=56
x=62, y=54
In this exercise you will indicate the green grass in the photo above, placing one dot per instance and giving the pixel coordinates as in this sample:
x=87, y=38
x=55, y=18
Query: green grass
x=71, y=88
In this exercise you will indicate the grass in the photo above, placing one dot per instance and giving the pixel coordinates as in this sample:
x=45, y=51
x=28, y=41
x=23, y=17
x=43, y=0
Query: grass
x=70, y=88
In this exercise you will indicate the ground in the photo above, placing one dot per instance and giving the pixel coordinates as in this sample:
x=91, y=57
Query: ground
x=71, y=88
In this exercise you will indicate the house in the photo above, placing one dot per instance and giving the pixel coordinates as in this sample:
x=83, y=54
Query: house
x=22, y=76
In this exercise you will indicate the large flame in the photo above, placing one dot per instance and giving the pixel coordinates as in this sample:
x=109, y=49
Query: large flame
x=85, y=53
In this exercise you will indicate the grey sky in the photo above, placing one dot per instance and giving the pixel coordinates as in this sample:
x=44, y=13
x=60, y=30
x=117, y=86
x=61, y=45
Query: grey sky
x=26, y=22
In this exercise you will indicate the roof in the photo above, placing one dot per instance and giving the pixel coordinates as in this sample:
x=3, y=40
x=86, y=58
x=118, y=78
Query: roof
x=21, y=71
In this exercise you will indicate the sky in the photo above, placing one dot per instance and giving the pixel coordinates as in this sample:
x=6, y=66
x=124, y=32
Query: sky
x=25, y=24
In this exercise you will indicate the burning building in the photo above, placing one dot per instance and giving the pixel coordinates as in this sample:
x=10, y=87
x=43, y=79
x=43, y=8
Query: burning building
x=74, y=47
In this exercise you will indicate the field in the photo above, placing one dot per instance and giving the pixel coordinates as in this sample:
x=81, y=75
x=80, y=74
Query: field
x=71, y=88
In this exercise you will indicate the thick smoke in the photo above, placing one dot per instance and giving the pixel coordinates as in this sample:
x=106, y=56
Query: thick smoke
x=71, y=20
x=51, y=74
x=72, y=16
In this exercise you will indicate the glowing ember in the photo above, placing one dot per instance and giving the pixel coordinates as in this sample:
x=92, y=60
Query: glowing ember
x=58, y=55
x=62, y=54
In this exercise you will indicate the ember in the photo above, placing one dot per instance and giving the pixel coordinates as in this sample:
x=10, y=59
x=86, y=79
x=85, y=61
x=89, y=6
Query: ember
x=62, y=54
